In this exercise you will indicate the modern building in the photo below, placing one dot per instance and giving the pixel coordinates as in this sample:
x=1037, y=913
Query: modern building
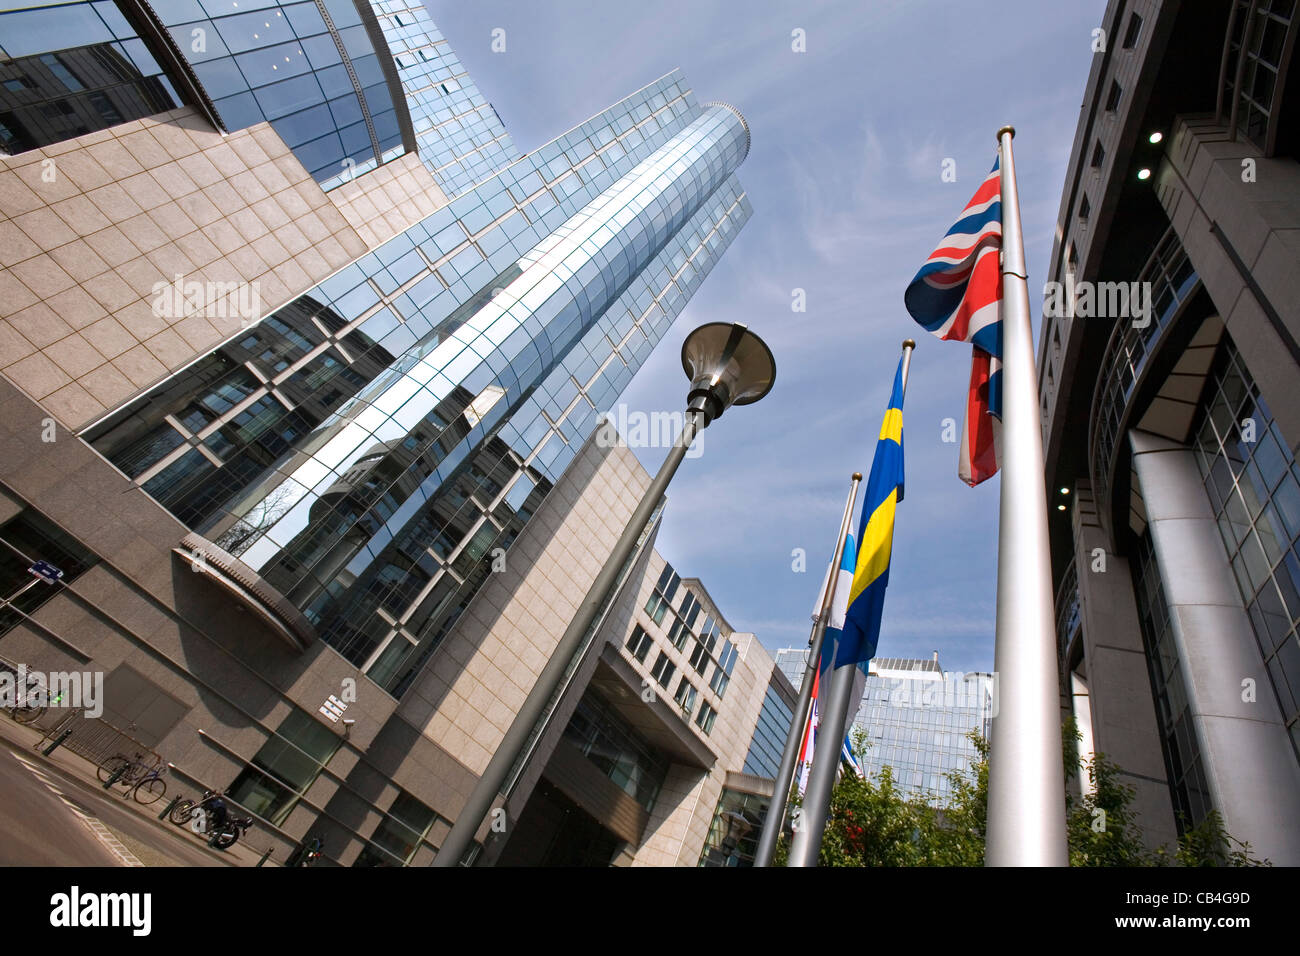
x=295, y=346
x=1167, y=373
x=914, y=718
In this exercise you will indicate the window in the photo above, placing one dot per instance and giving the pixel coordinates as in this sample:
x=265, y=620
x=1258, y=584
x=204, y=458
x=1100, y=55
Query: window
x=102, y=75
x=1113, y=97
x=1253, y=484
x=700, y=658
x=1098, y=155
x=733, y=835
x=288, y=763
x=678, y=633
x=1085, y=207
x=685, y=696
x=638, y=644
x=663, y=670
x=399, y=834
x=707, y=715
x=1133, y=31
x=656, y=607
x=25, y=539
x=616, y=749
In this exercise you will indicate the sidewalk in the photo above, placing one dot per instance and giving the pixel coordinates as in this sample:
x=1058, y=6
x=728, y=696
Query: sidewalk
x=180, y=840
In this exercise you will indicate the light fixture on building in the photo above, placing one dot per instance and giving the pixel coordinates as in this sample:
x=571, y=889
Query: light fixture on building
x=1155, y=137
x=1060, y=507
x=1144, y=173
x=727, y=365
x=1065, y=491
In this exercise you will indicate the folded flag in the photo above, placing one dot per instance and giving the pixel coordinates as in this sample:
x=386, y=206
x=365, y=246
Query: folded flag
x=809, y=739
x=850, y=759
x=956, y=295
x=843, y=584
x=875, y=537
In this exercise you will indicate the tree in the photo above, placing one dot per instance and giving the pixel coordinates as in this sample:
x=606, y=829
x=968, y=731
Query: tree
x=872, y=823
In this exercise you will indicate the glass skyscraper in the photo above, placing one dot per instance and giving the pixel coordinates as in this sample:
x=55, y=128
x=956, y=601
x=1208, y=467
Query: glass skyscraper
x=915, y=719
x=307, y=320
x=362, y=452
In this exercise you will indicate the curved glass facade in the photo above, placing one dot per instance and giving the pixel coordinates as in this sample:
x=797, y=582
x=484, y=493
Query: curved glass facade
x=458, y=134
x=368, y=448
x=440, y=401
x=1173, y=280
x=1253, y=483
x=309, y=68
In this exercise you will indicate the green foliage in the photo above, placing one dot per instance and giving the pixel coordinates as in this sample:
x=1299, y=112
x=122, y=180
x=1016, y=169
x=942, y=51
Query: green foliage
x=872, y=823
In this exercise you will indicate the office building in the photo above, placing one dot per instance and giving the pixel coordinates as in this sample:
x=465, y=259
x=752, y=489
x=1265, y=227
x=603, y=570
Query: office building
x=1168, y=361
x=295, y=344
x=914, y=718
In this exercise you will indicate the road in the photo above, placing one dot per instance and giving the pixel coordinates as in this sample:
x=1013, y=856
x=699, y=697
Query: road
x=38, y=828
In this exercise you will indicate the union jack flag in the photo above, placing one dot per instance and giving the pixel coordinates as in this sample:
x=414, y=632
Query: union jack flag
x=956, y=295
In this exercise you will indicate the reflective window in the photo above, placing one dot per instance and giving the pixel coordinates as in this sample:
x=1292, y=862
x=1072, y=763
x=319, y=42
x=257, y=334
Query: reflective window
x=25, y=539
x=286, y=765
x=71, y=69
x=768, y=742
x=399, y=834
x=733, y=834
x=1183, y=764
x=617, y=749
x=1253, y=483
x=281, y=63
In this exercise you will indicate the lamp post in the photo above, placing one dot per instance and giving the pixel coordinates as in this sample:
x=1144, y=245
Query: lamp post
x=727, y=365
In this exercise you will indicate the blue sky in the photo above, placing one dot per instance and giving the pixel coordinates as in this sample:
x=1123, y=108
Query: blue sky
x=849, y=138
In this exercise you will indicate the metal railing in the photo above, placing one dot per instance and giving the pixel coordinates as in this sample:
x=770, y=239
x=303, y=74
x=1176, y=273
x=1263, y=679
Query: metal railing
x=96, y=739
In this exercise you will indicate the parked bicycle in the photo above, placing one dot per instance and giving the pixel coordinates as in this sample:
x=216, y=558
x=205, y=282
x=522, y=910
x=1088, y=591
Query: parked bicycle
x=140, y=780
x=210, y=817
x=22, y=711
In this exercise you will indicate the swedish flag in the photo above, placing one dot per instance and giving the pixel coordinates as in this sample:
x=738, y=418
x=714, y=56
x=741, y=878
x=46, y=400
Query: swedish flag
x=875, y=537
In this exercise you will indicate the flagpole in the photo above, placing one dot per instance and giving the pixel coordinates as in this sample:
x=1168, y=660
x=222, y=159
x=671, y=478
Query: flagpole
x=775, y=819
x=1026, y=800
x=806, y=846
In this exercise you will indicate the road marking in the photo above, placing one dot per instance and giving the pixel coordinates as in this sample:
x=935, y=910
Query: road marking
x=94, y=824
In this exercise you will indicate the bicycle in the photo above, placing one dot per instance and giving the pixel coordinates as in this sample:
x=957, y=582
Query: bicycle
x=142, y=782
x=23, y=712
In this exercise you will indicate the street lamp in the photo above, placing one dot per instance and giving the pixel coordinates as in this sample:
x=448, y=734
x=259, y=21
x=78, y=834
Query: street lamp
x=727, y=365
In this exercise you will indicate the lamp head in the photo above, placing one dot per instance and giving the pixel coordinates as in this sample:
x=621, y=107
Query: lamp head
x=727, y=365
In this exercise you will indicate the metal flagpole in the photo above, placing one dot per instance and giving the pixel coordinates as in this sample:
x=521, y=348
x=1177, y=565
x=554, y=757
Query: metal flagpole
x=775, y=819
x=807, y=842
x=1026, y=802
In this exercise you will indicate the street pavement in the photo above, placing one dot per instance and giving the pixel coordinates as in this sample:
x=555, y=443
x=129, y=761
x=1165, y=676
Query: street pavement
x=44, y=803
x=38, y=829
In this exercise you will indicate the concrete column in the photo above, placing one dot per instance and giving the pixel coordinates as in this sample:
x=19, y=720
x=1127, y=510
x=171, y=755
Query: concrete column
x=1124, y=725
x=1250, y=769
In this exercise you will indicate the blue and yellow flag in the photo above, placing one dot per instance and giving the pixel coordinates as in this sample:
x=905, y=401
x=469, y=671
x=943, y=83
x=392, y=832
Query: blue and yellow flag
x=875, y=537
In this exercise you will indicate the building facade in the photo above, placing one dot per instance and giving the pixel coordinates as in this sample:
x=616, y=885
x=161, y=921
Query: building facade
x=914, y=718
x=1170, y=342
x=295, y=346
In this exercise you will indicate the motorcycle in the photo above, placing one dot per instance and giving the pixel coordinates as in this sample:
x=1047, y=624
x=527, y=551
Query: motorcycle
x=211, y=818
